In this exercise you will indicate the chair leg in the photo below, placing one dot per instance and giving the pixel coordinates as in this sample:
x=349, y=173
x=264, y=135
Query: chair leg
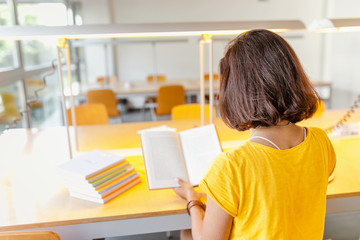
x=169, y=235
x=143, y=110
x=153, y=114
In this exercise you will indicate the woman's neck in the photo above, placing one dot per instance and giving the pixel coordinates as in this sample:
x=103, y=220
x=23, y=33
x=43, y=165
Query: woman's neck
x=284, y=124
x=284, y=134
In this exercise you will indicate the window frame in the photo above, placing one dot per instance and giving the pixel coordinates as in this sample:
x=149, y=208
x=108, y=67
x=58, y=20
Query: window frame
x=11, y=75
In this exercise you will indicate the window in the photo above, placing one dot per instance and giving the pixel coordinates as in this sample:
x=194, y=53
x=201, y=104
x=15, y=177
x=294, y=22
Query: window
x=36, y=52
x=4, y=13
x=7, y=48
x=46, y=111
x=45, y=14
x=7, y=55
x=31, y=65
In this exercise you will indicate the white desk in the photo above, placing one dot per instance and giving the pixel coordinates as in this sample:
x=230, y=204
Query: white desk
x=32, y=195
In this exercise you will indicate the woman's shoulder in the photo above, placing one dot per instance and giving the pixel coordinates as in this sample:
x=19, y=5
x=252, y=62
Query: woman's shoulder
x=235, y=156
x=318, y=136
x=317, y=132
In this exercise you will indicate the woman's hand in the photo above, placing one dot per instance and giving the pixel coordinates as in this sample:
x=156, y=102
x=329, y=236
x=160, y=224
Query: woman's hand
x=186, y=191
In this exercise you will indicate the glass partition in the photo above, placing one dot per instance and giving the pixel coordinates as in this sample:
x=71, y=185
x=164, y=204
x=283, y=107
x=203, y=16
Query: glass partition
x=44, y=102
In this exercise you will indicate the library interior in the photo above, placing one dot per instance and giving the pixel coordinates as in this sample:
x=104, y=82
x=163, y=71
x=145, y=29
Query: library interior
x=83, y=81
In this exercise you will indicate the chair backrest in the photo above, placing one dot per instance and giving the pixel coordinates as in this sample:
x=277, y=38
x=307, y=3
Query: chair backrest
x=29, y=235
x=207, y=77
x=160, y=78
x=168, y=97
x=321, y=108
x=111, y=79
x=89, y=114
x=8, y=108
x=191, y=111
x=106, y=97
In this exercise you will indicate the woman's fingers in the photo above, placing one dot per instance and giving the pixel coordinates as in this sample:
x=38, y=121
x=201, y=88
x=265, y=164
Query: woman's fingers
x=183, y=189
x=181, y=182
x=186, y=191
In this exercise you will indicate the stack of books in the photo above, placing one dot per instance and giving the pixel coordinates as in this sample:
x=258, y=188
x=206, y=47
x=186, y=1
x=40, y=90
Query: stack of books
x=98, y=176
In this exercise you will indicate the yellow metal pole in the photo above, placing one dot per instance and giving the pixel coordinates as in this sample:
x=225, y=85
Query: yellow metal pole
x=206, y=39
x=202, y=81
x=62, y=44
x=211, y=78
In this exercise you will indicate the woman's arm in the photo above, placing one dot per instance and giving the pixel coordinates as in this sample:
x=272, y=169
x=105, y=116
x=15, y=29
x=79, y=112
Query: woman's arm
x=214, y=224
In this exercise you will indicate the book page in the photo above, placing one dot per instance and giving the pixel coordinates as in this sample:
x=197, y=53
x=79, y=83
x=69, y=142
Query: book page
x=163, y=158
x=89, y=164
x=200, y=146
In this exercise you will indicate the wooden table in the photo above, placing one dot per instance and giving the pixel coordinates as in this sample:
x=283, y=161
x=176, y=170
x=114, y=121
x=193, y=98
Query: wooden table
x=32, y=195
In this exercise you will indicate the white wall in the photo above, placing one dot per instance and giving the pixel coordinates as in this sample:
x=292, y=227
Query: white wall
x=138, y=11
x=337, y=64
x=343, y=55
x=95, y=12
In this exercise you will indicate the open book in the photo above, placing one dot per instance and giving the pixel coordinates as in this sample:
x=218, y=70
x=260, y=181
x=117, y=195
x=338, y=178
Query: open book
x=187, y=154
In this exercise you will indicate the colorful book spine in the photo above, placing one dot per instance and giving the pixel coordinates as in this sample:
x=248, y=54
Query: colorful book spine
x=111, y=195
x=110, y=187
x=101, y=181
x=98, y=176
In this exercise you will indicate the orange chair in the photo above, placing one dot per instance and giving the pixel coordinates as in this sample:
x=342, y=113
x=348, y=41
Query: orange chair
x=89, y=114
x=167, y=97
x=191, y=111
x=321, y=108
x=150, y=79
x=207, y=77
x=106, y=97
x=8, y=109
x=111, y=80
x=34, y=85
x=160, y=78
x=29, y=235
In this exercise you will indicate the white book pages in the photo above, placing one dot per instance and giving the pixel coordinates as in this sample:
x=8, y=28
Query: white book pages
x=200, y=146
x=163, y=158
x=89, y=164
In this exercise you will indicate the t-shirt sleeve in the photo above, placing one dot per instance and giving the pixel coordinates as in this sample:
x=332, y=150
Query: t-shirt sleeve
x=220, y=183
x=328, y=147
x=332, y=158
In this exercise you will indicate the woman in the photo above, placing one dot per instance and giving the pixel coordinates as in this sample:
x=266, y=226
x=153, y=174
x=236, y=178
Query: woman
x=273, y=186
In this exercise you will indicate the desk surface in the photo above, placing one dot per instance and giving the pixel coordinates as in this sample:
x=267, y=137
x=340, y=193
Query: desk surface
x=32, y=194
x=120, y=136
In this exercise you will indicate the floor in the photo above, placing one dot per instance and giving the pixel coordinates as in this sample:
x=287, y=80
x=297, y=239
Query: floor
x=138, y=115
x=342, y=226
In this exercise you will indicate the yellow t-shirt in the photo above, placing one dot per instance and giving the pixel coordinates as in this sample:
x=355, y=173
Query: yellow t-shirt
x=274, y=194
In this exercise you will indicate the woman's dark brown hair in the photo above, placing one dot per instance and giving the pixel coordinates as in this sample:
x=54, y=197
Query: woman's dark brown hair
x=263, y=82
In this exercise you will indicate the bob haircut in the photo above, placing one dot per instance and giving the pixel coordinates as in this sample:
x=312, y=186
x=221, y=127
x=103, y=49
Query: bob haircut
x=262, y=83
